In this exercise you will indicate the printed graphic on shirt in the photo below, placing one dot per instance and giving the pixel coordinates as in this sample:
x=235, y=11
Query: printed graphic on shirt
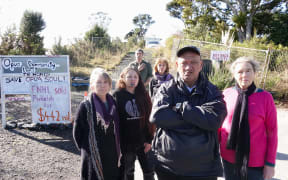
x=132, y=110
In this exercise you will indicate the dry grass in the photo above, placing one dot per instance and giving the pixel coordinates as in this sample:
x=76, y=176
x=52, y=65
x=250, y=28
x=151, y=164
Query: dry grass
x=277, y=83
x=106, y=62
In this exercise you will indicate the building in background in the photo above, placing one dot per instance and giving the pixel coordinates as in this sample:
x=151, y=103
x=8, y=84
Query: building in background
x=152, y=42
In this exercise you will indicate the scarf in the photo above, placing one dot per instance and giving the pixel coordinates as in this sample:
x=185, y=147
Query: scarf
x=239, y=136
x=163, y=78
x=108, y=116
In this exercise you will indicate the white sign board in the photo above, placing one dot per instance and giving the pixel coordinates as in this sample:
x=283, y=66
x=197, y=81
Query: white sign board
x=220, y=55
x=46, y=79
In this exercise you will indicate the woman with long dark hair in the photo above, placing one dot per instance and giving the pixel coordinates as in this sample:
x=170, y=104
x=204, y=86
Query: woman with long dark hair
x=136, y=132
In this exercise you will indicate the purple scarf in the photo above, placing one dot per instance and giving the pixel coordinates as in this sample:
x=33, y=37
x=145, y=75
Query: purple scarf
x=108, y=116
x=163, y=78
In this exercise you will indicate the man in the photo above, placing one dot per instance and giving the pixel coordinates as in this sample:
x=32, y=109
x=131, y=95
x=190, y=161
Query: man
x=143, y=67
x=187, y=112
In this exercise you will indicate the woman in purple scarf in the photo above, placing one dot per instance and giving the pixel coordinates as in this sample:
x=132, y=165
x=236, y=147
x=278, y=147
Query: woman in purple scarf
x=161, y=75
x=96, y=131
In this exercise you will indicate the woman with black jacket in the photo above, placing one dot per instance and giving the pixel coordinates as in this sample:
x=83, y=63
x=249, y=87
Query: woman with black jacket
x=96, y=131
x=134, y=107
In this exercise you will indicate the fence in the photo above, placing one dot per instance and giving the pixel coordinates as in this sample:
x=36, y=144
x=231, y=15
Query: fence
x=277, y=76
x=262, y=56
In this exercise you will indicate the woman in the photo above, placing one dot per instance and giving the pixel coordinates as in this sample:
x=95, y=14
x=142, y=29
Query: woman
x=161, y=75
x=134, y=107
x=96, y=131
x=248, y=136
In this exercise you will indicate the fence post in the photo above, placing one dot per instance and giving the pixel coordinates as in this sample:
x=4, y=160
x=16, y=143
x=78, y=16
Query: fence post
x=267, y=67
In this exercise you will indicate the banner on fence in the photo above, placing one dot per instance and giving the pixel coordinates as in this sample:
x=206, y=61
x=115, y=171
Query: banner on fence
x=220, y=55
x=46, y=79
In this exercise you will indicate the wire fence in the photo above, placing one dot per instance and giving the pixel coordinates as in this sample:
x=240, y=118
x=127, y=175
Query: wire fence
x=264, y=57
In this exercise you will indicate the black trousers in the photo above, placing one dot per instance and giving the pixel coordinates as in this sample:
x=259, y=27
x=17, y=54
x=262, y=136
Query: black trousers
x=128, y=165
x=169, y=176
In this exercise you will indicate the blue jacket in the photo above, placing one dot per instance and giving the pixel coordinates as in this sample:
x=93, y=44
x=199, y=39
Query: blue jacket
x=186, y=141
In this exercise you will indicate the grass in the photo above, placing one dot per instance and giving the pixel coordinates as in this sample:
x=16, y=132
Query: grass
x=107, y=62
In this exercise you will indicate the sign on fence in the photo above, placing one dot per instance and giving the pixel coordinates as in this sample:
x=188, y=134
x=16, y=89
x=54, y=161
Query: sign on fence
x=220, y=55
x=45, y=78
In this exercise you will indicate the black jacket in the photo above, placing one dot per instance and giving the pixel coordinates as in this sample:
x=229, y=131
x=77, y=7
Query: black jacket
x=155, y=84
x=105, y=141
x=186, y=142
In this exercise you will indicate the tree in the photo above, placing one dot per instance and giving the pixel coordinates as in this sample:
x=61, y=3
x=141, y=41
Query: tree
x=59, y=49
x=142, y=23
x=274, y=25
x=98, y=36
x=31, y=25
x=9, y=42
x=100, y=18
x=236, y=13
x=199, y=19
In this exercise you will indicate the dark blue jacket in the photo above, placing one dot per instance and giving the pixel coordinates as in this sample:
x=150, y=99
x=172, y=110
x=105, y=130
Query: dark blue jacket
x=186, y=142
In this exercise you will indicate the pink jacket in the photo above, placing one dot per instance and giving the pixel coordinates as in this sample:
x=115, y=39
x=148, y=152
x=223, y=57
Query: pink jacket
x=262, y=118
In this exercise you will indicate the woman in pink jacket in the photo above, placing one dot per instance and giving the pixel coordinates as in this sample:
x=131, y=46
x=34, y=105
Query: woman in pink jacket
x=248, y=136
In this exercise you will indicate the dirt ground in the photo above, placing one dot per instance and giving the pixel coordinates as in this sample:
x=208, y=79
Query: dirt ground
x=49, y=153
x=41, y=152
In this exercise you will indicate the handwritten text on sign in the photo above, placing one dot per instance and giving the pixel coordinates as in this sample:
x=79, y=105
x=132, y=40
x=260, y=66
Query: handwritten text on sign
x=46, y=103
x=220, y=55
x=45, y=79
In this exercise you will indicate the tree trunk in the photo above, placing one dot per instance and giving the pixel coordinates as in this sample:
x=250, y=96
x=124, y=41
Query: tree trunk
x=249, y=27
x=241, y=35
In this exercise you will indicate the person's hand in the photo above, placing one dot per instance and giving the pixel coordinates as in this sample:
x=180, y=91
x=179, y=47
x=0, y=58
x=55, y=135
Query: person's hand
x=141, y=67
x=268, y=172
x=147, y=147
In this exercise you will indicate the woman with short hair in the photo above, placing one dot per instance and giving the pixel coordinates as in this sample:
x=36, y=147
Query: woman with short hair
x=248, y=136
x=96, y=130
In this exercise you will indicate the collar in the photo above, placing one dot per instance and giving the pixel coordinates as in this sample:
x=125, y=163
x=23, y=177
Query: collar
x=190, y=89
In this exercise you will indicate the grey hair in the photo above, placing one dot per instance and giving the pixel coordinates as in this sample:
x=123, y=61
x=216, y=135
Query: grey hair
x=245, y=59
x=99, y=72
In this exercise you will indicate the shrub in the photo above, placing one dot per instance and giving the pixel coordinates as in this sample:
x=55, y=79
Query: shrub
x=221, y=78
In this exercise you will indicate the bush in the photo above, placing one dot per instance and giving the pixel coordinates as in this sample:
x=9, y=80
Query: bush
x=221, y=78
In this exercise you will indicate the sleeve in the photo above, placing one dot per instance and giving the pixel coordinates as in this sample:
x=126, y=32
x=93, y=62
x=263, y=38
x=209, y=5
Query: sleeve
x=148, y=136
x=132, y=65
x=149, y=69
x=79, y=128
x=271, y=131
x=162, y=115
x=210, y=115
x=151, y=88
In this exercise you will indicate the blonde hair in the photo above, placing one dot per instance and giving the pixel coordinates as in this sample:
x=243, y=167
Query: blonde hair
x=94, y=76
x=161, y=60
x=244, y=59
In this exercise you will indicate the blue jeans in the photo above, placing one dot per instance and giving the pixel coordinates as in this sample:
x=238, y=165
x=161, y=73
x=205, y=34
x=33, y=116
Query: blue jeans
x=254, y=173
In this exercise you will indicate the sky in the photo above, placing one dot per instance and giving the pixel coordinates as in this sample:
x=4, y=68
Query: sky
x=69, y=19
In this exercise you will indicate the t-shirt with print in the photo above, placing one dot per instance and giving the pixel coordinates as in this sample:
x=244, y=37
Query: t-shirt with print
x=132, y=136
